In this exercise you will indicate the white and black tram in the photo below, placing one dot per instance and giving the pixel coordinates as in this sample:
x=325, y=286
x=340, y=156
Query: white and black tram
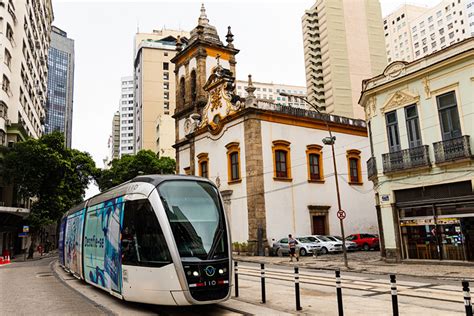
x=158, y=239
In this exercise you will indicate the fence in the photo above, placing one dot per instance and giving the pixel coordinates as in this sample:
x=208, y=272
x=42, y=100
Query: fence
x=392, y=283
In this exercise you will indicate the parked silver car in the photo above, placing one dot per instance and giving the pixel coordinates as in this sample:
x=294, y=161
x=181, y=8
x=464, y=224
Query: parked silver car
x=327, y=245
x=304, y=246
x=350, y=245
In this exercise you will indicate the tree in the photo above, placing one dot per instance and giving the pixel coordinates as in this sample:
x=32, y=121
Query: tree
x=130, y=166
x=53, y=176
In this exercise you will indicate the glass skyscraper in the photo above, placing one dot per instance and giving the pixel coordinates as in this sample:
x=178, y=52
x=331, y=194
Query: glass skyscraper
x=60, y=84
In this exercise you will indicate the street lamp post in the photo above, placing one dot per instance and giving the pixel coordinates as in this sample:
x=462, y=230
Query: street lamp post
x=328, y=141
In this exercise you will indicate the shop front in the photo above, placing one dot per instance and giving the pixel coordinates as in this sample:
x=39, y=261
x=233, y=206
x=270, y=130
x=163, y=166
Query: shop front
x=437, y=229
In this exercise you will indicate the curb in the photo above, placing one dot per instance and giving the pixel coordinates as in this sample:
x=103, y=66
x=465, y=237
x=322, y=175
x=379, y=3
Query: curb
x=94, y=303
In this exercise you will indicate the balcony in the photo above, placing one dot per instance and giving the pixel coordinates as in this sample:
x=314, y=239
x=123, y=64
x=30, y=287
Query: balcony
x=372, y=168
x=412, y=158
x=452, y=150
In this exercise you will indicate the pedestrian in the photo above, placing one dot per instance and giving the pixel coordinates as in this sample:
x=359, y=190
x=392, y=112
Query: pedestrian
x=292, y=245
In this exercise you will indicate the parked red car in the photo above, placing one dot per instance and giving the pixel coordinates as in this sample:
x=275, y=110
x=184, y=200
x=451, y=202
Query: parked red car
x=365, y=241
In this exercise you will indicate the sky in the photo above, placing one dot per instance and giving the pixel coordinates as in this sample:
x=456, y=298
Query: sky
x=267, y=32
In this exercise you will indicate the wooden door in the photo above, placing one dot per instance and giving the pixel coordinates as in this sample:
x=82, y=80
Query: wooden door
x=319, y=225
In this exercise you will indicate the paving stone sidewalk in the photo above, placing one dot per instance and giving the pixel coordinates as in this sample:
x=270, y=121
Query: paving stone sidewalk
x=371, y=263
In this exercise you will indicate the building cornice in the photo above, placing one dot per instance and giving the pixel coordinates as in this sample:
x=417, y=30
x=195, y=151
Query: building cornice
x=399, y=72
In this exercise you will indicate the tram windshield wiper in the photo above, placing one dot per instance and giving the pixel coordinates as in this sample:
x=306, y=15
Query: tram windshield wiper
x=215, y=243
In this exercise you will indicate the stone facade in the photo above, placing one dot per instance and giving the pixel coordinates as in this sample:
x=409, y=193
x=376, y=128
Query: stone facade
x=255, y=188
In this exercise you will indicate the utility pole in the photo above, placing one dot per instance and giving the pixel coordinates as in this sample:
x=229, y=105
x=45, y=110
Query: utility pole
x=329, y=141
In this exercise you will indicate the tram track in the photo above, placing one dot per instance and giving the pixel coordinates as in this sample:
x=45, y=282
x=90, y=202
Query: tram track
x=371, y=287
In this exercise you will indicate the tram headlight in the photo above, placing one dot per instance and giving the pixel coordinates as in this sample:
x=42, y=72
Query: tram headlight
x=195, y=273
x=221, y=271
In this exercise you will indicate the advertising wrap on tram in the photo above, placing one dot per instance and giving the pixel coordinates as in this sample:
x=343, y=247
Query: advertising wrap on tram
x=102, y=255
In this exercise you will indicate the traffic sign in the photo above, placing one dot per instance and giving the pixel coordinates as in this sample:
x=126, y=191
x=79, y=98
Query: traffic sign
x=341, y=214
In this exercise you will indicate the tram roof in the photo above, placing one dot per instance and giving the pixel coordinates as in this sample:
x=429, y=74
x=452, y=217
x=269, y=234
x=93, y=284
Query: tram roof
x=121, y=189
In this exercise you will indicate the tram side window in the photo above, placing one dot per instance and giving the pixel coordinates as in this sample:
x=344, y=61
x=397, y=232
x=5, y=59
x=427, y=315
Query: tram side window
x=143, y=243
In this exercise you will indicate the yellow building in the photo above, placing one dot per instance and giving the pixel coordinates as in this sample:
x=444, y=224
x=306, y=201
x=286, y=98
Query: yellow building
x=155, y=90
x=420, y=118
x=343, y=44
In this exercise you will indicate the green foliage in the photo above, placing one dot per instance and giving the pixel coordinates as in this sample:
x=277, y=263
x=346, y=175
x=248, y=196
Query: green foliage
x=239, y=246
x=43, y=169
x=130, y=166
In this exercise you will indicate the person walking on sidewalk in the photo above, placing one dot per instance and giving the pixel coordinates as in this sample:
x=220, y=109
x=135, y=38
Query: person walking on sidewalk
x=292, y=245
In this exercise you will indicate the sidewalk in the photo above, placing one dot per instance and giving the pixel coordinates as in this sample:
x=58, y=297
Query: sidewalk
x=36, y=256
x=370, y=262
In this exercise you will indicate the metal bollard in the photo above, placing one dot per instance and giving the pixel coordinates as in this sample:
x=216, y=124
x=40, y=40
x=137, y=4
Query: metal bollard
x=339, y=293
x=467, y=298
x=393, y=288
x=297, y=289
x=262, y=280
x=236, y=276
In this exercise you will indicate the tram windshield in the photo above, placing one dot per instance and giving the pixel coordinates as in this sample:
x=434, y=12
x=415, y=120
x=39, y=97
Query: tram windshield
x=196, y=218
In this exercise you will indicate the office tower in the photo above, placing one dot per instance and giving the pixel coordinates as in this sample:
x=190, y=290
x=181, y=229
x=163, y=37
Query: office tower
x=59, y=103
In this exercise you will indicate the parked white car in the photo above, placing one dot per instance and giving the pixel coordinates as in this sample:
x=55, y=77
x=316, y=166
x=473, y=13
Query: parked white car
x=303, y=246
x=350, y=245
x=327, y=245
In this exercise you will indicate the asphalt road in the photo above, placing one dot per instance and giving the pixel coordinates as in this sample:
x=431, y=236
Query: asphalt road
x=30, y=288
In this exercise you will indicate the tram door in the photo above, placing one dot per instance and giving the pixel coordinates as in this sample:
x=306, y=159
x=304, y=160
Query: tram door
x=102, y=253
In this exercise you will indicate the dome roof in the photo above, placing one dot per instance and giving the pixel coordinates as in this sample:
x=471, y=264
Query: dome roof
x=209, y=32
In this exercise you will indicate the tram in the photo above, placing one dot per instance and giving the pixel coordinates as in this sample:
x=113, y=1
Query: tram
x=157, y=239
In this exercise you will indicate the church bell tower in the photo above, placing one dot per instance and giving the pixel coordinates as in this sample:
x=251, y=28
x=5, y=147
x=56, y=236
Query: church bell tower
x=194, y=63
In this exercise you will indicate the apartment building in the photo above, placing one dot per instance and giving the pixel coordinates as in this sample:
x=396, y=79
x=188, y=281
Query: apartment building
x=25, y=40
x=25, y=28
x=155, y=90
x=412, y=32
x=59, y=102
x=419, y=117
x=271, y=92
x=343, y=44
x=127, y=116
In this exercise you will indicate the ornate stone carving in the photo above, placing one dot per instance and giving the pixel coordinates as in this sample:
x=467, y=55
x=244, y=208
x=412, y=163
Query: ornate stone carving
x=395, y=69
x=399, y=99
x=220, y=86
x=370, y=108
x=191, y=123
x=426, y=86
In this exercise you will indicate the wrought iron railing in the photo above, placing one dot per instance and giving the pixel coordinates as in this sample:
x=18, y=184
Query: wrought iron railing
x=371, y=168
x=406, y=159
x=453, y=149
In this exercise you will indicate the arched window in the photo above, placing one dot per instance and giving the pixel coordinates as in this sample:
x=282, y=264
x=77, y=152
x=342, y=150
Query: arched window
x=233, y=162
x=182, y=91
x=281, y=160
x=203, y=163
x=314, y=156
x=354, y=167
x=193, y=86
